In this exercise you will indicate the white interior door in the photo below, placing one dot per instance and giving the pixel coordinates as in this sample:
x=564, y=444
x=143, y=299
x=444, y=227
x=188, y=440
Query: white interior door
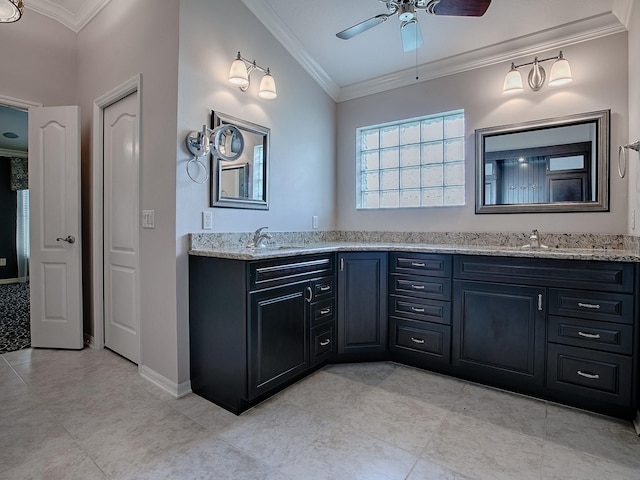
x=56, y=255
x=121, y=234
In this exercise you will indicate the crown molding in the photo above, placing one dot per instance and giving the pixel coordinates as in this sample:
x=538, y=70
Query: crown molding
x=74, y=21
x=623, y=9
x=555, y=38
x=268, y=17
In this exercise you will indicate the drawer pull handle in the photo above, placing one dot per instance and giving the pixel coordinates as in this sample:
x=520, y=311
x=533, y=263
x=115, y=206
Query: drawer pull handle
x=589, y=335
x=417, y=287
x=417, y=310
x=590, y=376
x=417, y=264
x=589, y=305
x=325, y=311
x=310, y=292
x=417, y=340
x=326, y=342
x=325, y=288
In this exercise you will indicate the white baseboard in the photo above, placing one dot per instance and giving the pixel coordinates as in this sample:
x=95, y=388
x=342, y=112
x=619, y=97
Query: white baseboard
x=7, y=281
x=175, y=389
x=636, y=422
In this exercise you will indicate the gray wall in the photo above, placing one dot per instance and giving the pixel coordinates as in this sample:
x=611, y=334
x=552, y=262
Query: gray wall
x=599, y=69
x=129, y=38
x=633, y=174
x=301, y=119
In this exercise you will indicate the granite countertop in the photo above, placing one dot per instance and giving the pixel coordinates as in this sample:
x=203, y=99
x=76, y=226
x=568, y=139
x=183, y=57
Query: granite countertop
x=285, y=250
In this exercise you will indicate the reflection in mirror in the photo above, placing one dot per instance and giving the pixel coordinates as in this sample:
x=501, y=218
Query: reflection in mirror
x=555, y=165
x=243, y=182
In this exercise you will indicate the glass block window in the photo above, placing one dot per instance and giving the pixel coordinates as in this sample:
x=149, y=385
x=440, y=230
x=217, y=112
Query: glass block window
x=412, y=163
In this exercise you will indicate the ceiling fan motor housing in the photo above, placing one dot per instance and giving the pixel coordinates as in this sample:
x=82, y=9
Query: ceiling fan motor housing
x=407, y=11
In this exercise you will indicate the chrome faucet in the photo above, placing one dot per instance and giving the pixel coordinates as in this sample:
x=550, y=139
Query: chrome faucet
x=534, y=240
x=259, y=237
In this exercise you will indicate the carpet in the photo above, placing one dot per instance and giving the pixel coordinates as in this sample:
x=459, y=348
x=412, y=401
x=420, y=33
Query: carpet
x=15, y=332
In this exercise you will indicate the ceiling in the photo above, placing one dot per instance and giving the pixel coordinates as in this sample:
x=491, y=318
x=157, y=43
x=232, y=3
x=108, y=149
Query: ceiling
x=374, y=61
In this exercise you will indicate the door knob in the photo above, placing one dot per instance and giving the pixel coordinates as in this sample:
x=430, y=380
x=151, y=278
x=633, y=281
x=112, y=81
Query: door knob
x=69, y=239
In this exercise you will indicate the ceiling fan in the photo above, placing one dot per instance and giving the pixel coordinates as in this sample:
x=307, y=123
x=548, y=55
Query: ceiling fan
x=406, y=11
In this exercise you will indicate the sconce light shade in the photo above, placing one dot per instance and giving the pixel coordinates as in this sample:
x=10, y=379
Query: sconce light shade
x=268, y=87
x=11, y=10
x=411, y=35
x=513, y=81
x=560, y=72
x=238, y=74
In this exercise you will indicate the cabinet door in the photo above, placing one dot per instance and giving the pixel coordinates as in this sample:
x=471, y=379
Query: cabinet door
x=278, y=337
x=499, y=334
x=362, y=303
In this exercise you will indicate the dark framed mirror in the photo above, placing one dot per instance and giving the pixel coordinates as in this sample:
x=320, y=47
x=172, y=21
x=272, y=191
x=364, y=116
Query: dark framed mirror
x=242, y=183
x=553, y=165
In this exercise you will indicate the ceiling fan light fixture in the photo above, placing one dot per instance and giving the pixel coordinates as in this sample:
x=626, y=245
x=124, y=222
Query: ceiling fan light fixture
x=11, y=10
x=411, y=35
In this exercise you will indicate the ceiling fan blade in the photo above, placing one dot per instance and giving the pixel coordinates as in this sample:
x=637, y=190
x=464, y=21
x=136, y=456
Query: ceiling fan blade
x=461, y=8
x=362, y=26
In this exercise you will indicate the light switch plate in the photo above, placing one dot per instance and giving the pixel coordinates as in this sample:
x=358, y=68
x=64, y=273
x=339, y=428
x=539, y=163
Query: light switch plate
x=148, y=219
x=3, y=262
x=207, y=221
x=314, y=221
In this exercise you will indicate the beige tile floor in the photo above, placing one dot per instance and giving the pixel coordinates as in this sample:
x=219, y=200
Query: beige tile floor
x=89, y=415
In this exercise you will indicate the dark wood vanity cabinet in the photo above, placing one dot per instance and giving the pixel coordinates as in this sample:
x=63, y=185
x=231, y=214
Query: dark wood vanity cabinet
x=362, y=306
x=257, y=326
x=560, y=329
x=420, y=309
x=565, y=330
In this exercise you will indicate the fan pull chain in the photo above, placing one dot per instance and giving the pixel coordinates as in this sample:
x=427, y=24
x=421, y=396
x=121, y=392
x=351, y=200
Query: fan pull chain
x=416, y=59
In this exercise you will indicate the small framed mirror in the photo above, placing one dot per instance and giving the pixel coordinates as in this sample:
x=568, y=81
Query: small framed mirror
x=553, y=165
x=241, y=183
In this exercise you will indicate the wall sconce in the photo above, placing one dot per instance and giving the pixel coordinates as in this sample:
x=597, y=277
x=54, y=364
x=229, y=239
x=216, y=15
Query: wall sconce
x=11, y=10
x=226, y=141
x=239, y=73
x=560, y=75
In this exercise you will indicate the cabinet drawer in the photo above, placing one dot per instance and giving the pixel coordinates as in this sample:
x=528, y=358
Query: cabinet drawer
x=323, y=340
x=426, y=338
x=436, y=288
x=607, y=307
x=323, y=287
x=598, y=375
x=429, y=264
x=589, y=275
x=322, y=311
x=270, y=273
x=419, y=309
x=610, y=337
